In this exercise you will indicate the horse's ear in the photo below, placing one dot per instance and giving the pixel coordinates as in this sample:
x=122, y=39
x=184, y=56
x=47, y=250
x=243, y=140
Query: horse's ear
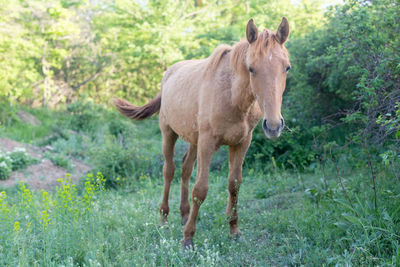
x=251, y=31
x=283, y=31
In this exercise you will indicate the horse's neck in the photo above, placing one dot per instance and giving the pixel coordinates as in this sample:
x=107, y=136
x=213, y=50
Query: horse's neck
x=242, y=97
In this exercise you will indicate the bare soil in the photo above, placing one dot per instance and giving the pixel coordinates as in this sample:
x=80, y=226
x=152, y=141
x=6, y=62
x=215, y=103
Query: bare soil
x=28, y=118
x=42, y=175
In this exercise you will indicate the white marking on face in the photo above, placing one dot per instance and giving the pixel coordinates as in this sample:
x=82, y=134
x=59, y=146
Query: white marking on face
x=270, y=57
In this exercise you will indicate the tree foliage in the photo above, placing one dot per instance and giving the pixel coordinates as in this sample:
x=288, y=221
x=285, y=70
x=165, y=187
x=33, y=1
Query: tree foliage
x=344, y=86
x=345, y=63
x=54, y=51
x=349, y=69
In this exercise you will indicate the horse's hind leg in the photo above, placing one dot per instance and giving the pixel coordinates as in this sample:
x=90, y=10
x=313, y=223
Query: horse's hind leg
x=187, y=169
x=236, y=158
x=168, y=145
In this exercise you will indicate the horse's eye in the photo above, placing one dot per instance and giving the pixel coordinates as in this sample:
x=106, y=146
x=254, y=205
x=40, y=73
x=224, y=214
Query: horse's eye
x=251, y=70
x=288, y=68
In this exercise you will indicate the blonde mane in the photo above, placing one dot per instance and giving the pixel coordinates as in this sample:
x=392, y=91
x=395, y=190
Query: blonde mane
x=265, y=40
x=215, y=58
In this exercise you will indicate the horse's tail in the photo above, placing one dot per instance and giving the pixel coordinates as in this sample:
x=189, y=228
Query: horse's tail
x=138, y=113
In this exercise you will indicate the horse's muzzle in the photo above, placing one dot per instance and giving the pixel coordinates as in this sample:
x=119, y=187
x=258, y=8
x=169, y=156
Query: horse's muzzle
x=273, y=132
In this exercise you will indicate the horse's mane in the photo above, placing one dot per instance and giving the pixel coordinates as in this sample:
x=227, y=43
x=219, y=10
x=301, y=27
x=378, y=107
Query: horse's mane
x=215, y=58
x=239, y=53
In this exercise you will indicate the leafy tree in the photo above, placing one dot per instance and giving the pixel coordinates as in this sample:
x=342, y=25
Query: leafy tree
x=345, y=77
x=348, y=70
x=57, y=50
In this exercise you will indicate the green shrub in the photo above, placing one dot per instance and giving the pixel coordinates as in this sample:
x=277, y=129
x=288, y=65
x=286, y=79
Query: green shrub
x=59, y=160
x=120, y=163
x=84, y=115
x=16, y=160
x=20, y=159
x=347, y=71
x=119, y=127
x=5, y=166
x=295, y=148
x=5, y=170
x=8, y=115
x=74, y=146
x=344, y=77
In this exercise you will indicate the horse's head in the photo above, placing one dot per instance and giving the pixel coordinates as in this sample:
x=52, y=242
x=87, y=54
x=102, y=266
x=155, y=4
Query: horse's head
x=268, y=64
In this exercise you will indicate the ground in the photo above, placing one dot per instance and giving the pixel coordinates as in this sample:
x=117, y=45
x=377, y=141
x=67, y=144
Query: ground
x=44, y=174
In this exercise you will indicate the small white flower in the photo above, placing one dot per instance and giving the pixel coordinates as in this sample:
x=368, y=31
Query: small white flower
x=19, y=149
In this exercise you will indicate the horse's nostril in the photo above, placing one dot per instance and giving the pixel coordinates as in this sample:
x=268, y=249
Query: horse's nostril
x=264, y=125
x=282, y=123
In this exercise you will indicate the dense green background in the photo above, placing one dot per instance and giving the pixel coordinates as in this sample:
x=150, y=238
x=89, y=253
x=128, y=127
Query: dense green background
x=327, y=192
x=343, y=88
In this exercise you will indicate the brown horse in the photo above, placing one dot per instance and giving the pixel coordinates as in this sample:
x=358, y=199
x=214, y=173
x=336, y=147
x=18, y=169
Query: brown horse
x=213, y=102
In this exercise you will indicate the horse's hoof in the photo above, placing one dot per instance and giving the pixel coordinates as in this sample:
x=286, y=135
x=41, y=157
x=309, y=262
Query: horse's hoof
x=184, y=221
x=162, y=223
x=188, y=244
x=235, y=234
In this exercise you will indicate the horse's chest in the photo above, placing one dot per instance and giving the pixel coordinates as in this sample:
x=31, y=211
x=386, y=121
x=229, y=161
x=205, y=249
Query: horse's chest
x=233, y=134
x=233, y=131
x=240, y=131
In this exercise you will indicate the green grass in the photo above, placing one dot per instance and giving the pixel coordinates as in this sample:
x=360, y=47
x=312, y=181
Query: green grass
x=286, y=227
x=287, y=218
x=12, y=127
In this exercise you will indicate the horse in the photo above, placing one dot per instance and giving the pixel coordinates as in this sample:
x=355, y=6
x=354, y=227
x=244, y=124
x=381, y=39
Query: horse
x=213, y=102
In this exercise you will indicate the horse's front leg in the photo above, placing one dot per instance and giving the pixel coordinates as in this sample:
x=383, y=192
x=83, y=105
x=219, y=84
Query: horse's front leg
x=236, y=158
x=205, y=149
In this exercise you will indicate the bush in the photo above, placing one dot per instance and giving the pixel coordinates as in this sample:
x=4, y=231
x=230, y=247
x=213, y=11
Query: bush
x=5, y=170
x=348, y=70
x=20, y=159
x=59, y=160
x=120, y=163
x=84, y=115
x=16, y=160
x=295, y=148
x=345, y=77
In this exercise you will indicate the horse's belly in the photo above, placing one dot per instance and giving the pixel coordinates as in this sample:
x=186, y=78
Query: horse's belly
x=181, y=118
x=179, y=104
x=186, y=129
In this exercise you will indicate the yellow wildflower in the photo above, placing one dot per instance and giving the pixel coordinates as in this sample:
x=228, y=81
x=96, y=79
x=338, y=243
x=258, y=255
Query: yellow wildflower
x=17, y=228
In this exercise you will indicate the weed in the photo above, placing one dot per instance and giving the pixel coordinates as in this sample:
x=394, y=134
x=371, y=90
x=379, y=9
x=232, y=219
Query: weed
x=16, y=160
x=20, y=159
x=59, y=160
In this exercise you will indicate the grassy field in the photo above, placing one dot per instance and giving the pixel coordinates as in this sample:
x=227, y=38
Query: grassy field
x=287, y=218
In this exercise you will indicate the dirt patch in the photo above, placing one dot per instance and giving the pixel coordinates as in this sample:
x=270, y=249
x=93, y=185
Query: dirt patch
x=42, y=175
x=28, y=118
x=8, y=145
